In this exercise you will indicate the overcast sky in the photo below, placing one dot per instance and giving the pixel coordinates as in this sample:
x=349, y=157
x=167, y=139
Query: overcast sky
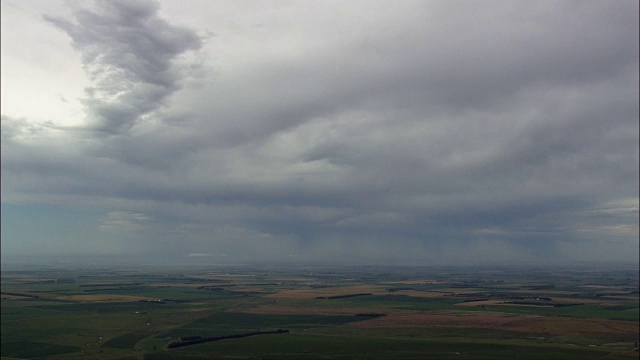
x=377, y=132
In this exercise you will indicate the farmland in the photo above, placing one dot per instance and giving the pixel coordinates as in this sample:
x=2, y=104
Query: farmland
x=316, y=312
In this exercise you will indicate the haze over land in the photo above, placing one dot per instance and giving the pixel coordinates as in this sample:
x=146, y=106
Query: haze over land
x=422, y=132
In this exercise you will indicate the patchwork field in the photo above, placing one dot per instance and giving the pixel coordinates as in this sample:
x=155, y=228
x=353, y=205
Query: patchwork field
x=273, y=312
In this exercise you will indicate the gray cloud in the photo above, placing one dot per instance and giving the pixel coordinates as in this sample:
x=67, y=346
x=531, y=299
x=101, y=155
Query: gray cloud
x=129, y=54
x=418, y=133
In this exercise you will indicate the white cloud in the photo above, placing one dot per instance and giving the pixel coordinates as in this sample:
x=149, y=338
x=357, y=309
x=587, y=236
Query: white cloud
x=123, y=222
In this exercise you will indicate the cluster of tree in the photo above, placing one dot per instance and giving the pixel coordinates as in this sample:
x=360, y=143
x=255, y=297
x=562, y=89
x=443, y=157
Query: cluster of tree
x=152, y=301
x=112, y=284
x=539, y=287
x=543, y=304
x=371, y=314
x=343, y=296
x=482, y=297
x=465, y=285
x=189, y=338
x=211, y=288
x=176, y=301
x=399, y=289
x=193, y=340
x=19, y=294
x=200, y=281
x=121, y=288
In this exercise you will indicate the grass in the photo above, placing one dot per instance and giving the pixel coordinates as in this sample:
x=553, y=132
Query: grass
x=126, y=341
x=111, y=307
x=259, y=321
x=228, y=323
x=29, y=349
x=172, y=292
x=402, y=302
x=332, y=347
x=71, y=327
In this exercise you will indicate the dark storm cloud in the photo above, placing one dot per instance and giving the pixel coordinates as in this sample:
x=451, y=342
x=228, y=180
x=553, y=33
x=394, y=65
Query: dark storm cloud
x=129, y=54
x=428, y=131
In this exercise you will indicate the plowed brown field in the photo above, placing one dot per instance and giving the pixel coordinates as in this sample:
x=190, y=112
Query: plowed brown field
x=533, y=324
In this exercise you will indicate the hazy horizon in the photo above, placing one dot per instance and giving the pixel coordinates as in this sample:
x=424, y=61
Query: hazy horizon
x=373, y=132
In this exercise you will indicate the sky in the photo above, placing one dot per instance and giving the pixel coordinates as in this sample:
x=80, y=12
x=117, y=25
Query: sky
x=359, y=132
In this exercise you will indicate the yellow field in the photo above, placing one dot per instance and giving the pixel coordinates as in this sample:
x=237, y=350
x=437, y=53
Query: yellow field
x=333, y=291
x=416, y=282
x=103, y=298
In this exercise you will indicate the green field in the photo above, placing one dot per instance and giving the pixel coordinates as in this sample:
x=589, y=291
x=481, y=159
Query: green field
x=273, y=312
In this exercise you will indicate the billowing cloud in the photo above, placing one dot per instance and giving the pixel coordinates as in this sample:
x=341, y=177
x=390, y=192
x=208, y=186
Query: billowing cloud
x=129, y=54
x=421, y=132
